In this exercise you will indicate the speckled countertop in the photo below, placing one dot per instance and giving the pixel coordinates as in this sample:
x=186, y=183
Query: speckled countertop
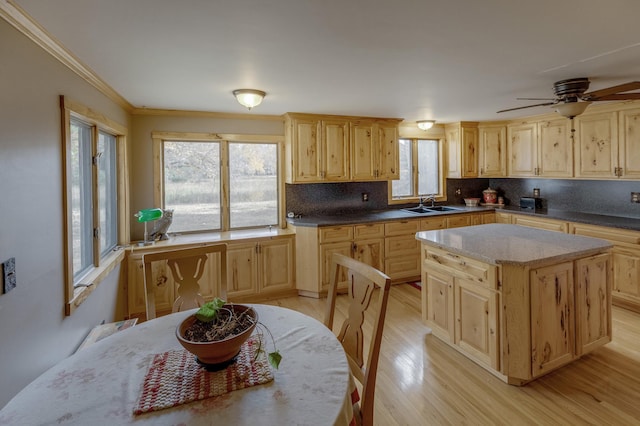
x=398, y=214
x=511, y=244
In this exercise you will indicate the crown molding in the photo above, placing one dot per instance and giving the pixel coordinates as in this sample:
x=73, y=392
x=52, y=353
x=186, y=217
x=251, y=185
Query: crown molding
x=207, y=114
x=16, y=16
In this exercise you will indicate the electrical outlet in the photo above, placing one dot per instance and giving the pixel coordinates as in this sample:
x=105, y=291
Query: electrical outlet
x=9, y=274
x=365, y=196
x=635, y=197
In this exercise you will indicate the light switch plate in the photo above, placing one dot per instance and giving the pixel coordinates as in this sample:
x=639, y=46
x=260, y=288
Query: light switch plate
x=9, y=274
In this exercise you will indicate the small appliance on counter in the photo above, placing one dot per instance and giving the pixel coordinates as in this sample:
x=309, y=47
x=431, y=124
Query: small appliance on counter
x=533, y=203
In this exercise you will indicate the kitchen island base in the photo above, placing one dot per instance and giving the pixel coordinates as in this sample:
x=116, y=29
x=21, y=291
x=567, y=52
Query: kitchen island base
x=519, y=302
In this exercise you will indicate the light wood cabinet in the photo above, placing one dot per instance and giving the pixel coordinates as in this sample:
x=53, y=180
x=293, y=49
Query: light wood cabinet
x=316, y=150
x=402, y=250
x=458, y=220
x=520, y=321
x=540, y=223
x=492, y=150
x=596, y=153
x=264, y=268
x=625, y=259
x=462, y=149
x=374, y=150
x=541, y=148
x=629, y=151
x=164, y=286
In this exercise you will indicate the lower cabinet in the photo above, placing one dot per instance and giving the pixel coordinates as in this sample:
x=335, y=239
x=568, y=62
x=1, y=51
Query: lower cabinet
x=260, y=269
x=257, y=269
x=519, y=322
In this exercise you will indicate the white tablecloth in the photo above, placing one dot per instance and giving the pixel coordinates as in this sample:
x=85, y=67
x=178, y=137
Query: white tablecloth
x=101, y=384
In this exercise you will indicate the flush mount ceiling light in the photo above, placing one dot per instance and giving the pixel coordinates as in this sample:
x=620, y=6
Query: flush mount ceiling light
x=571, y=109
x=425, y=124
x=249, y=98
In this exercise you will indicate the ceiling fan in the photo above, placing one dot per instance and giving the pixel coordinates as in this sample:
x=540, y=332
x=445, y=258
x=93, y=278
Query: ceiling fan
x=571, y=99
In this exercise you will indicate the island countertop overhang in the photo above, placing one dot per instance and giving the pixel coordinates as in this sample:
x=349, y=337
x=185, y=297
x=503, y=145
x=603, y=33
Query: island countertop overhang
x=512, y=244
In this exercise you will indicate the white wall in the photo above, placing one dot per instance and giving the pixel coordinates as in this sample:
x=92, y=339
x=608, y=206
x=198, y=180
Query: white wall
x=34, y=332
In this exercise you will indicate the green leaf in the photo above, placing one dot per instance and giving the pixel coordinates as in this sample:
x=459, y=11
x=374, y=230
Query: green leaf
x=209, y=310
x=274, y=359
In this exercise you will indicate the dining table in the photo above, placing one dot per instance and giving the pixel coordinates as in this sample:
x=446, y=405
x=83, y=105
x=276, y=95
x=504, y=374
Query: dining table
x=104, y=383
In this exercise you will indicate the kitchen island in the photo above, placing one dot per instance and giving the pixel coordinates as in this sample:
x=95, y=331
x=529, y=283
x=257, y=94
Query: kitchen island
x=518, y=301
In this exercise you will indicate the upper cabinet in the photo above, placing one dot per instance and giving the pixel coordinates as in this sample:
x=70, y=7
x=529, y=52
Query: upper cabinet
x=333, y=148
x=540, y=148
x=597, y=145
x=462, y=149
x=493, y=150
x=608, y=144
x=374, y=150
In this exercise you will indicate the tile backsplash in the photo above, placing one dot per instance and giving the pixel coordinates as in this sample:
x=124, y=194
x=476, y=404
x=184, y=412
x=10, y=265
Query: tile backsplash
x=590, y=196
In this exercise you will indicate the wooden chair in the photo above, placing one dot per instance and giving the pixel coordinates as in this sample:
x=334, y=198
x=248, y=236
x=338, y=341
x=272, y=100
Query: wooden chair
x=362, y=280
x=187, y=267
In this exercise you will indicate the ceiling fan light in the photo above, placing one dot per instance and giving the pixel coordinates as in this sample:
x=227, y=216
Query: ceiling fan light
x=425, y=124
x=571, y=109
x=249, y=98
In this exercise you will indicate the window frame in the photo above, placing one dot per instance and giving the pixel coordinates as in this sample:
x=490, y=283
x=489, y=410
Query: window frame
x=224, y=138
x=415, y=197
x=77, y=289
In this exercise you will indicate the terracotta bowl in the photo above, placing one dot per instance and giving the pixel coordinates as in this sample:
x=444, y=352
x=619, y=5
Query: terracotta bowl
x=220, y=351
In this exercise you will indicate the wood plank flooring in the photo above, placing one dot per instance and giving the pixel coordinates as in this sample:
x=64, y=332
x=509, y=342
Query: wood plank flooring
x=421, y=381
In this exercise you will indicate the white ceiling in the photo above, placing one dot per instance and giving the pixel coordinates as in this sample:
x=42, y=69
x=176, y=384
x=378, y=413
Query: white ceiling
x=446, y=60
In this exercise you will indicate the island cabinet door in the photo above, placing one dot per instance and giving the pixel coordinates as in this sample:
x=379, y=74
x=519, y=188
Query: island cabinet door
x=476, y=319
x=552, y=317
x=593, y=302
x=437, y=304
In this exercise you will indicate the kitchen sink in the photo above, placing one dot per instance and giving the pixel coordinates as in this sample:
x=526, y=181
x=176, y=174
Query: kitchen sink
x=434, y=209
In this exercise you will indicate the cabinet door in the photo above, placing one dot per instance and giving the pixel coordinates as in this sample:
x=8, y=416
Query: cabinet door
x=556, y=149
x=626, y=276
x=552, y=317
x=363, y=157
x=241, y=270
x=437, y=304
x=476, y=320
x=469, y=145
x=402, y=256
x=306, y=149
x=454, y=160
x=593, y=303
x=388, y=151
x=523, y=152
x=458, y=220
x=433, y=223
x=493, y=151
x=335, y=150
x=276, y=265
x=370, y=252
x=630, y=143
x=503, y=217
x=326, y=252
x=596, y=153
x=135, y=286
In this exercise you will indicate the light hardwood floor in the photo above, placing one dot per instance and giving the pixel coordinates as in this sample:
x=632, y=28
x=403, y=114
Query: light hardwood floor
x=421, y=381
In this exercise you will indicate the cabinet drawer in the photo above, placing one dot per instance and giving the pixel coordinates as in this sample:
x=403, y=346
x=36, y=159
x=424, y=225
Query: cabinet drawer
x=401, y=245
x=401, y=228
x=456, y=221
x=433, y=223
x=402, y=267
x=503, y=217
x=610, y=234
x=547, y=224
x=478, y=272
x=370, y=230
x=336, y=233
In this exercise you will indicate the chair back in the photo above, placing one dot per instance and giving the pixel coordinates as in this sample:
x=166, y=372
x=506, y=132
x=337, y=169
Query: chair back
x=187, y=267
x=362, y=280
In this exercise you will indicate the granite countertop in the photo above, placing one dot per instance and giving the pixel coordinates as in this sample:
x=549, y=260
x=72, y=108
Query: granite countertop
x=622, y=222
x=497, y=243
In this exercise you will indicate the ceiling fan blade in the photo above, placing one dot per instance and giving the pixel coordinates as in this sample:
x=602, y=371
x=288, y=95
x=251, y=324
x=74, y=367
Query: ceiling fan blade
x=528, y=106
x=619, y=97
x=597, y=94
x=536, y=99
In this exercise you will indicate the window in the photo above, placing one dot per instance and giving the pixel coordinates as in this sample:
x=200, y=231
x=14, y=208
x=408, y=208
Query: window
x=218, y=184
x=93, y=166
x=420, y=170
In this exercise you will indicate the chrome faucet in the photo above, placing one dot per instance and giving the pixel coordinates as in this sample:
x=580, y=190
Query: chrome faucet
x=429, y=197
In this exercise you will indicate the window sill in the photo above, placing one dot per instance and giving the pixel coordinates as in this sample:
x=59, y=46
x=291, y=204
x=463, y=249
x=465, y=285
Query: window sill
x=91, y=280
